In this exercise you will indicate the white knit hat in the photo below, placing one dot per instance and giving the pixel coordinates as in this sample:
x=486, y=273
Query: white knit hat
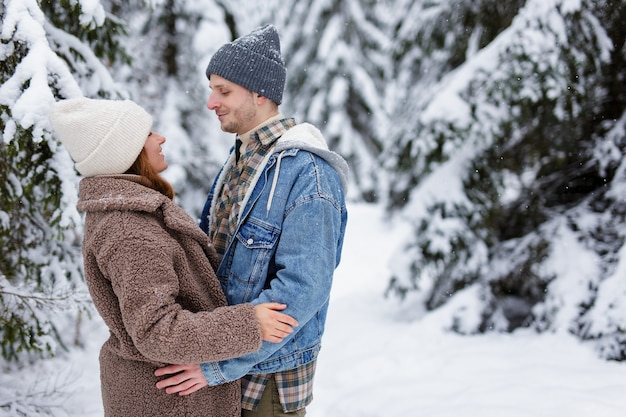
x=102, y=136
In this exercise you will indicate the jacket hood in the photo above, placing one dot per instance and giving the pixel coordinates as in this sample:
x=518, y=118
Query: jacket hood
x=307, y=137
x=303, y=136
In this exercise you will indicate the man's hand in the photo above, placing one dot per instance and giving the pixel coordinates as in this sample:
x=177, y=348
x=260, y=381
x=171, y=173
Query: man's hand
x=275, y=326
x=188, y=379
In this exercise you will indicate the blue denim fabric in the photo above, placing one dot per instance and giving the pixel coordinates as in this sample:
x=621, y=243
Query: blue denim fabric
x=288, y=255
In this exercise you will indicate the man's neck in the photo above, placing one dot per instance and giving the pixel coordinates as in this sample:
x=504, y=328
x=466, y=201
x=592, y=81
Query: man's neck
x=245, y=137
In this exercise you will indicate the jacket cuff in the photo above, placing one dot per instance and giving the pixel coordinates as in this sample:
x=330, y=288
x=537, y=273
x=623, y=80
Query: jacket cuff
x=212, y=373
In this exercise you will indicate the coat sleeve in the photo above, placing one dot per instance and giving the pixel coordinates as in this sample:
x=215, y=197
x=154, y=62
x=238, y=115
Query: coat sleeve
x=144, y=269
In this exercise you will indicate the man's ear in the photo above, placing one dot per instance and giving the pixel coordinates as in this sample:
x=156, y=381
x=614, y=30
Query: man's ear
x=260, y=100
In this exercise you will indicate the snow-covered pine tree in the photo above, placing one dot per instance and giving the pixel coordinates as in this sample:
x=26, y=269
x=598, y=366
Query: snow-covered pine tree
x=39, y=225
x=431, y=40
x=512, y=171
x=338, y=59
x=49, y=50
x=602, y=122
x=171, y=42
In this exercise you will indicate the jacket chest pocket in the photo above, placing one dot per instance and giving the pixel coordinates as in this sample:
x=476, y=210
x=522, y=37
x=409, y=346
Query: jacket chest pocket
x=255, y=246
x=255, y=234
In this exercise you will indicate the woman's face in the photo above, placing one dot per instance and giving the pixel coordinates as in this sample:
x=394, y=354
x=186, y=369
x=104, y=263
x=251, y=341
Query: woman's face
x=154, y=151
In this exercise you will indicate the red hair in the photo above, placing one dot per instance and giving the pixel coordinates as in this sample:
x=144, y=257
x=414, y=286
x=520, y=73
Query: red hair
x=142, y=167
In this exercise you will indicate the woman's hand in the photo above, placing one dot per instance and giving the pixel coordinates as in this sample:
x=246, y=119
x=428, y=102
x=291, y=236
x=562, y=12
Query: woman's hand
x=275, y=326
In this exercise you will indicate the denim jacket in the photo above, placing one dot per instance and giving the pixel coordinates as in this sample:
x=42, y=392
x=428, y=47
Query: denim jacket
x=285, y=248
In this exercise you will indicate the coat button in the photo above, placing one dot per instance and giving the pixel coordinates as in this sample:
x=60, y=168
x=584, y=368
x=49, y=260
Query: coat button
x=250, y=241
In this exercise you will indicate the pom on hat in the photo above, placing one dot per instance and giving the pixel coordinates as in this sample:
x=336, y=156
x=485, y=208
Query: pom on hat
x=254, y=62
x=102, y=136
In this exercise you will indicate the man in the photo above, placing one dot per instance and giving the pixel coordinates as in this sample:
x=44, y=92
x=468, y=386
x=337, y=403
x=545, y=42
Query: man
x=276, y=214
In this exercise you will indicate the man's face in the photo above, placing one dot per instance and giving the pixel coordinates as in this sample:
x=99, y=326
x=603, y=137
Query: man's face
x=234, y=105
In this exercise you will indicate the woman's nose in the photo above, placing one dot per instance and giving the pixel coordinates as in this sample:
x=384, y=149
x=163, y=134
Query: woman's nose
x=159, y=138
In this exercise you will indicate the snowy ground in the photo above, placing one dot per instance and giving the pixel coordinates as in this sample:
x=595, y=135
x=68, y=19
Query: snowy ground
x=375, y=364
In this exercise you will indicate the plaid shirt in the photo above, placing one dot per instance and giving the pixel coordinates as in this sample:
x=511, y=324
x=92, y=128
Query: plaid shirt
x=237, y=181
x=295, y=386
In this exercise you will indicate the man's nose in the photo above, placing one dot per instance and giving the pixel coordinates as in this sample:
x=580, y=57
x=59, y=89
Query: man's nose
x=212, y=103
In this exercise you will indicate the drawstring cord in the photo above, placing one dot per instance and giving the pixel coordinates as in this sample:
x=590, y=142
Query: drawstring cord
x=274, y=181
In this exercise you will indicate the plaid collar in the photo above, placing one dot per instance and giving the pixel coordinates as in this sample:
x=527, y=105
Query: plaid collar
x=269, y=133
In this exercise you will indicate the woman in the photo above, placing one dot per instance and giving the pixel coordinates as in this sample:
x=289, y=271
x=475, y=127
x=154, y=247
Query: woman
x=148, y=268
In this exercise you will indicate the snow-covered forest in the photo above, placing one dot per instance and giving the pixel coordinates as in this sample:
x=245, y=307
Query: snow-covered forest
x=496, y=129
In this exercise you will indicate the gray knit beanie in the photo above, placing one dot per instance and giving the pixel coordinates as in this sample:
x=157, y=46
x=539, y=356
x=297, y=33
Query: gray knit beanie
x=254, y=62
x=102, y=136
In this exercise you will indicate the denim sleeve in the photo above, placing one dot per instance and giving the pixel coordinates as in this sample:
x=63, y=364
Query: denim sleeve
x=204, y=217
x=306, y=257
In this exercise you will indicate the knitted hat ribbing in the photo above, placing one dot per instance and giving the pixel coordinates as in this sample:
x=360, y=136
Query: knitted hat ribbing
x=253, y=61
x=102, y=136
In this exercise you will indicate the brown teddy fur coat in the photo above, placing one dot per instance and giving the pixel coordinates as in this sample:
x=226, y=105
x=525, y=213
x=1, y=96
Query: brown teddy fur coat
x=148, y=269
